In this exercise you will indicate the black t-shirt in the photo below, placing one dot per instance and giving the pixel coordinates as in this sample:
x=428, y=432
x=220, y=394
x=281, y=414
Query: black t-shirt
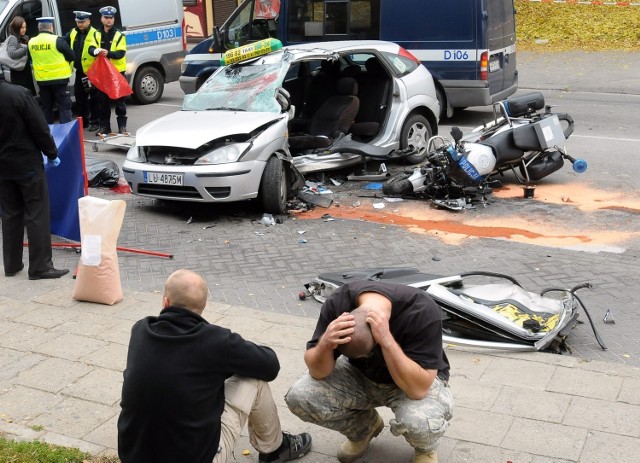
x=415, y=324
x=173, y=391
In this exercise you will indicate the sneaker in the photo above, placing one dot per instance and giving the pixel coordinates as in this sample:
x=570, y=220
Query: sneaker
x=292, y=447
x=49, y=274
x=352, y=450
x=431, y=457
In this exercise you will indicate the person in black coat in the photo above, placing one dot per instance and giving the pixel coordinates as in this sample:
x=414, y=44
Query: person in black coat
x=24, y=194
x=190, y=386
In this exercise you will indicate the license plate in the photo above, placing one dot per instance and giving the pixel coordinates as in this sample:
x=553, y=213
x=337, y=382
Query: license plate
x=494, y=64
x=163, y=179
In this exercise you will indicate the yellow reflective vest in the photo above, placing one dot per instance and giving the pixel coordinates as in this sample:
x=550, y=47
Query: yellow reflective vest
x=90, y=39
x=119, y=43
x=48, y=62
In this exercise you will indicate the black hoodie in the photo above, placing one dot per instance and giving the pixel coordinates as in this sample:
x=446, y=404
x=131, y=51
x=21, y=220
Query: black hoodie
x=173, y=391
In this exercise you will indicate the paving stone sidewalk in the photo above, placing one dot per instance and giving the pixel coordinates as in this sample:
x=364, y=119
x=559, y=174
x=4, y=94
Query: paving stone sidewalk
x=61, y=372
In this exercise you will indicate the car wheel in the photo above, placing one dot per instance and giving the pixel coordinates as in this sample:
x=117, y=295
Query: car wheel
x=273, y=187
x=415, y=134
x=442, y=102
x=148, y=85
x=398, y=185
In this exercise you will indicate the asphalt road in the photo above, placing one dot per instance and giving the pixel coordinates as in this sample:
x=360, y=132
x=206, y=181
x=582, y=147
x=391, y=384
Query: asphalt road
x=578, y=228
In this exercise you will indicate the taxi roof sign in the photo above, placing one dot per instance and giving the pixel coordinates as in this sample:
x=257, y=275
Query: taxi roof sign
x=250, y=51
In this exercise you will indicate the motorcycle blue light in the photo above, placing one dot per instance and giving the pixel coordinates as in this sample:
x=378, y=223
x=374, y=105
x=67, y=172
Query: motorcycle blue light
x=580, y=165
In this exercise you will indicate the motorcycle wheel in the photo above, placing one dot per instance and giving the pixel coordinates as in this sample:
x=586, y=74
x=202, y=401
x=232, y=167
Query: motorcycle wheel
x=398, y=184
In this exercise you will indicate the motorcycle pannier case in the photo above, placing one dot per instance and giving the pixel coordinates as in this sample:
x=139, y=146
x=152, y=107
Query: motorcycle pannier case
x=525, y=104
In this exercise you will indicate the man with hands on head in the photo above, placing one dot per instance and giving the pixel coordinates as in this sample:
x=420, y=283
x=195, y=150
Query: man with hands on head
x=382, y=343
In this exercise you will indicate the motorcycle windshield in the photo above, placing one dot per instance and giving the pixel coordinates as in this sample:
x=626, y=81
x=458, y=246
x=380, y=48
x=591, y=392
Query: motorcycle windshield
x=249, y=86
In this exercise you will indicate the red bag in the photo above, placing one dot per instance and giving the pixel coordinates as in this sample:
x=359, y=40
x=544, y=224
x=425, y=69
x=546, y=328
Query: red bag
x=106, y=78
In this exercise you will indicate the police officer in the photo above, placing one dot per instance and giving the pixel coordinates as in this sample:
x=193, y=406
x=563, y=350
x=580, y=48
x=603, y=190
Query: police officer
x=80, y=38
x=51, y=57
x=111, y=43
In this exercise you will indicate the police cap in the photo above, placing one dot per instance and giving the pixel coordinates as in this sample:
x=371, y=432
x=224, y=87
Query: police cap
x=108, y=11
x=82, y=15
x=45, y=19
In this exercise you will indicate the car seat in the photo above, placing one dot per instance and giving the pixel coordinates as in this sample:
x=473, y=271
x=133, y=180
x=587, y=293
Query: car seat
x=332, y=119
x=374, y=92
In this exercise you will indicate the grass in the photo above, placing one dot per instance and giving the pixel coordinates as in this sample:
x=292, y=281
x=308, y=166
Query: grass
x=39, y=452
x=572, y=26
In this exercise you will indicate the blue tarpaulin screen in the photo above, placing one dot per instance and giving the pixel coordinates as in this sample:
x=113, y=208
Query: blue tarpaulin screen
x=67, y=181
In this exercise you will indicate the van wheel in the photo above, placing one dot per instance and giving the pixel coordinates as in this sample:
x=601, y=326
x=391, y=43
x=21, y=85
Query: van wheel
x=415, y=134
x=273, y=187
x=148, y=85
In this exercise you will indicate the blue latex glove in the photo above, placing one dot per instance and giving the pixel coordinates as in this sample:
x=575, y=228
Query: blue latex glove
x=54, y=162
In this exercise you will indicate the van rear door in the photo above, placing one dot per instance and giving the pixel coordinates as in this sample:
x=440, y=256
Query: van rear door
x=501, y=41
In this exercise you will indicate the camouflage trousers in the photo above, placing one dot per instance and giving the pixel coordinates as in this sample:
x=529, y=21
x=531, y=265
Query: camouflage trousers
x=346, y=402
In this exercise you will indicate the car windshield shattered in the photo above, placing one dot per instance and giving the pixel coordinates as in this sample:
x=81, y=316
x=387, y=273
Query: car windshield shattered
x=241, y=87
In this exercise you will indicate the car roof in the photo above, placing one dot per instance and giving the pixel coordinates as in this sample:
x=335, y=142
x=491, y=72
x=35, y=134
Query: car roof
x=345, y=45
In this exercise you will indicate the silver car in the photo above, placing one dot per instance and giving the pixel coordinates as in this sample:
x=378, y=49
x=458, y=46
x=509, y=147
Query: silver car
x=255, y=127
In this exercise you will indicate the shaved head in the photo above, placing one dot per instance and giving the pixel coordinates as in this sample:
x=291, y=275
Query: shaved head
x=362, y=342
x=185, y=288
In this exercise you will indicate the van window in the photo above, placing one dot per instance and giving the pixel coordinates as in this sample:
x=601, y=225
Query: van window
x=68, y=19
x=29, y=10
x=319, y=20
x=500, y=18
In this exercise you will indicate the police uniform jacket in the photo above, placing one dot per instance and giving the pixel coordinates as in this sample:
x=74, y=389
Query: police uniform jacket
x=51, y=58
x=24, y=133
x=80, y=42
x=115, y=43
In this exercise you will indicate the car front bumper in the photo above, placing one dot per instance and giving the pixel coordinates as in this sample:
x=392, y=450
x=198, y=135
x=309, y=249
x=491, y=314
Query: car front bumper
x=230, y=182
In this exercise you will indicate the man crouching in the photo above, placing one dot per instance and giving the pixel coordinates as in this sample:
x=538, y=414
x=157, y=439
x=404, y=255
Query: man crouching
x=377, y=344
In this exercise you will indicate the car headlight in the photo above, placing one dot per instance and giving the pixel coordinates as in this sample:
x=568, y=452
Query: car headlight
x=225, y=154
x=136, y=154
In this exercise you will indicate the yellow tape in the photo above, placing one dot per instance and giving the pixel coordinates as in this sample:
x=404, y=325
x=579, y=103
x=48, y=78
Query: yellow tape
x=249, y=51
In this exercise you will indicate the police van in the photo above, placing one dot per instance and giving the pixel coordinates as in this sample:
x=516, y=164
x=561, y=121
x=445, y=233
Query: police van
x=154, y=29
x=469, y=46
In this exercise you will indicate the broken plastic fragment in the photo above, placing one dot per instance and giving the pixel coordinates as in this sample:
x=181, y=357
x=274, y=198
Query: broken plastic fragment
x=608, y=318
x=378, y=205
x=267, y=219
x=302, y=241
x=335, y=182
x=190, y=220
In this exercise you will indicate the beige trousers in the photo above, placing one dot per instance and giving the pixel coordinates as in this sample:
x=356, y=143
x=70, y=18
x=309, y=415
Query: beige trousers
x=248, y=400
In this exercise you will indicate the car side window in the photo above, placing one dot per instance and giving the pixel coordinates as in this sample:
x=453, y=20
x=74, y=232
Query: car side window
x=401, y=65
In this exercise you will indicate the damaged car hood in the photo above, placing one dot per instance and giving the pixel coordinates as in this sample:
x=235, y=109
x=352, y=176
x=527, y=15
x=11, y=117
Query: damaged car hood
x=192, y=129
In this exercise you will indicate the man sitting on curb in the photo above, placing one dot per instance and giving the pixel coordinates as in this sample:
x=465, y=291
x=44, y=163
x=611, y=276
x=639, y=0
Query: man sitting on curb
x=390, y=339
x=189, y=387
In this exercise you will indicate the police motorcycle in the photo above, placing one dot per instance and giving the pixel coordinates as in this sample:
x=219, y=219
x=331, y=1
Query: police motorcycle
x=524, y=138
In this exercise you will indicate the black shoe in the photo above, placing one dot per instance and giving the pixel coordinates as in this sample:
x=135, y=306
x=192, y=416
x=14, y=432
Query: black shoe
x=103, y=131
x=12, y=274
x=292, y=447
x=49, y=274
x=123, y=130
x=93, y=127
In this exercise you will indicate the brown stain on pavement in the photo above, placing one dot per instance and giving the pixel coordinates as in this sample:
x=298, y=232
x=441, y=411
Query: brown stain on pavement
x=578, y=195
x=456, y=230
x=453, y=228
